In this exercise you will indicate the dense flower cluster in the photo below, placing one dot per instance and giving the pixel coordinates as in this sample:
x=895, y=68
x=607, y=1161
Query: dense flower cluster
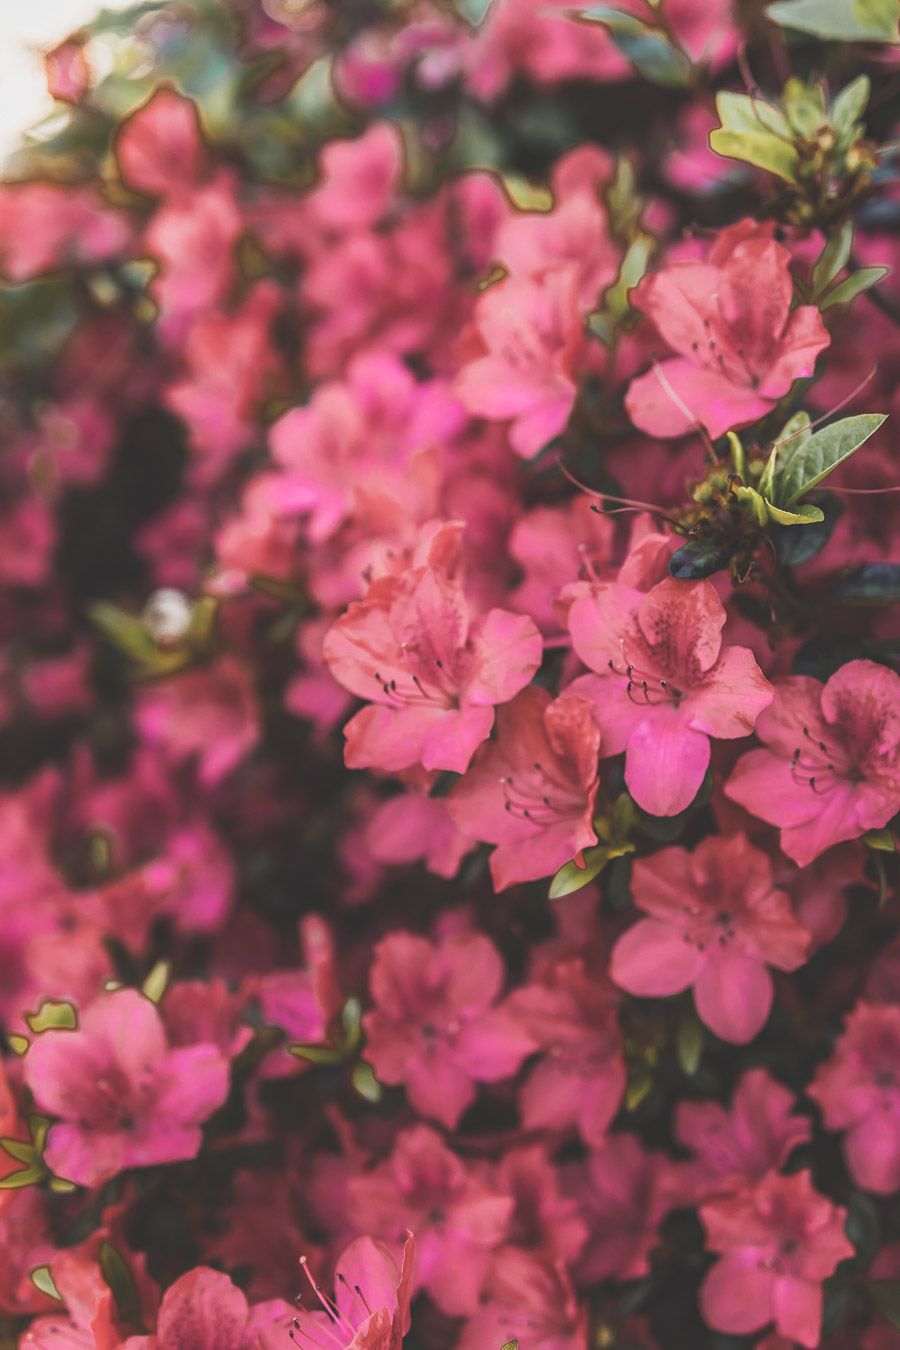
x=449, y=712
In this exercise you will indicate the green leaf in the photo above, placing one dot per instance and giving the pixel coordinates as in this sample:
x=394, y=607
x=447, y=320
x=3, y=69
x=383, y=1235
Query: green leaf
x=474, y=11
x=847, y=109
x=858, y=282
x=758, y=509
x=510, y=1345
x=805, y=465
x=649, y=49
x=624, y=203
x=840, y=20
x=882, y=841
x=118, y=1276
x=157, y=982
x=571, y=877
x=615, y=304
x=832, y=259
x=885, y=1295
x=700, y=558
x=689, y=1043
x=53, y=1016
x=756, y=133
x=804, y=515
x=365, y=1082
x=317, y=1054
x=804, y=106
x=43, y=1280
x=798, y=546
x=870, y=584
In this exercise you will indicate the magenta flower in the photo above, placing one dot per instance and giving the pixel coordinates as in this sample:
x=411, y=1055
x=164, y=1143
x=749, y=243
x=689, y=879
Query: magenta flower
x=531, y=790
x=531, y=338
x=717, y=922
x=206, y=715
x=458, y=1219
x=122, y=1097
x=740, y=345
x=831, y=766
x=780, y=1239
x=859, y=1092
x=755, y=1135
x=580, y=1077
x=432, y=673
x=205, y=1311
x=435, y=1026
x=664, y=683
x=528, y=1300
x=370, y=1308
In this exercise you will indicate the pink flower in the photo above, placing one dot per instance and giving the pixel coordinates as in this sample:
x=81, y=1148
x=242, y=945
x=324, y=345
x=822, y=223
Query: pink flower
x=458, y=1219
x=413, y=827
x=435, y=1026
x=193, y=236
x=544, y=1220
x=716, y=923
x=159, y=150
x=531, y=791
x=624, y=1193
x=780, y=1239
x=664, y=683
x=756, y=1135
x=208, y=715
x=123, y=1098
x=740, y=346
x=432, y=674
x=580, y=1077
x=531, y=338
x=370, y=1308
x=45, y=225
x=68, y=71
x=859, y=1092
x=553, y=545
x=205, y=1311
x=831, y=767
x=89, y=1320
x=529, y=1300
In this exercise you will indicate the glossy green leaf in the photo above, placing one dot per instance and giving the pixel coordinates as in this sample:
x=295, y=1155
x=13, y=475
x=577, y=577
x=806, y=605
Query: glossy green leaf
x=157, y=982
x=804, y=515
x=700, y=558
x=755, y=132
x=847, y=109
x=798, y=546
x=571, y=877
x=689, y=1043
x=832, y=259
x=365, y=1082
x=856, y=284
x=43, y=1280
x=510, y=1345
x=615, y=305
x=474, y=11
x=882, y=841
x=53, y=1016
x=804, y=107
x=840, y=20
x=649, y=49
x=806, y=464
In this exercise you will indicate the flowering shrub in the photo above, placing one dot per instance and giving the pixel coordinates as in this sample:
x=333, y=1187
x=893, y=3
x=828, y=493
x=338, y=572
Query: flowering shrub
x=449, y=695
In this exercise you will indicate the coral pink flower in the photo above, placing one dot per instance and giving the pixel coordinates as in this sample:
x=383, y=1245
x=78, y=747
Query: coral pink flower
x=205, y=1311
x=44, y=225
x=432, y=673
x=122, y=1096
x=159, y=150
x=624, y=1192
x=716, y=923
x=208, y=714
x=531, y=338
x=756, y=1135
x=740, y=346
x=528, y=1301
x=831, y=767
x=370, y=1309
x=89, y=1321
x=67, y=71
x=435, y=1027
x=532, y=790
x=193, y=235
x=859, y=1092
x=780, y=1239
x=413, y=827
x=553, y=545
x=580, y=1078
x=664, y=683
x=458, y=1219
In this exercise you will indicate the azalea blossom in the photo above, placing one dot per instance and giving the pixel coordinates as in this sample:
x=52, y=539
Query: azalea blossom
x=778, y=1239
x=205, y=1310
x=531, y=790
x=740, y=344
x=664, y=683
x=436, y=1025
x=432, y=672
x=830, y=769
x=716, y=923
x=121, y=1096
x=858, y=1090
